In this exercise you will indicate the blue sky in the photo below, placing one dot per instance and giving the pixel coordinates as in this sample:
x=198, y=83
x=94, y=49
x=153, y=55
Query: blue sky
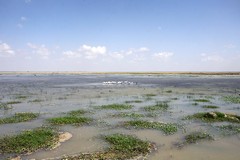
x=119, y=35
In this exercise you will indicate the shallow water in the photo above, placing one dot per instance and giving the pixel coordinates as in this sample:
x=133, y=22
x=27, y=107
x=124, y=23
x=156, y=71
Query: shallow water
x=63, y=93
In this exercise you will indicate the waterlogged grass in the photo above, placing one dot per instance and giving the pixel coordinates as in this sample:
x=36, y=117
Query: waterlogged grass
x=5, y=106
x=35, y=100
x=122, y=147
x=230, y=129
x=129, y=115
x=150, y=95
x=167, y=128
x=134, y=101
x=29, y=141
x=21, y=97
x=215, y=117
x=232, y=99
x=19, y=117
x=201, y=100
x=210, y=107
x=196, y=137
x=74, y=120
x=13, y=102
x=79, y=112
x=158, y=106
x=116, y=106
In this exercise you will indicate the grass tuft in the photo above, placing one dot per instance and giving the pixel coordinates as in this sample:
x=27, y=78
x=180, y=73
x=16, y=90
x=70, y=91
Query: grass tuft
x=19, y=117
x=158, y=106
x=230, y=129
x=134, y=101
x=69, y=120
x=210, y=107
x=79, y=112
x=232, y=99
x=116, y=106
x=29, y=141
x=5, y=106
x=201, y=100
x=13, y=102
x=196, y=137
x=215, y=117
x=130, y=115
x=167, y=128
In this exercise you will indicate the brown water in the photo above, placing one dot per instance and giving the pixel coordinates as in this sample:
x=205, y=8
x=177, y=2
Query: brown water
x=64, y=93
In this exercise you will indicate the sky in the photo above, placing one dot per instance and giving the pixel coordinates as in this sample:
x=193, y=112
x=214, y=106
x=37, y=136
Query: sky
x=120, y=35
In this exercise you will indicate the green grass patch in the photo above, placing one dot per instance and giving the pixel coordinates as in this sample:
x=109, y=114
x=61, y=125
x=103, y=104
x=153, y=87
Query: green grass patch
x=210, y=107
x=129, y=115
x=230, y=129
x=201, y=100
x=13, y=102
x=168, y=91
x=195, y=104
x=232, y=99
x=29, y=141
x=116, y=106
x=196, y=137
x=19, y=117
x=21, y=97
x=167, y=128
x=74, y=120
x=79, y=112
x=5, y=106
x=35, y=100
x=158, y=106
x=150, y=95
x=215, y=117
x=122, y=147
x=134, y=101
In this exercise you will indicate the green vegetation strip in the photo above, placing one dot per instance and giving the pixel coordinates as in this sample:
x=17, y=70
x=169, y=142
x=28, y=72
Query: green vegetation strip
x=19, y=117
x=13, y=102
x=5, y=106
x=130, y=115
x=29, y=141
x=196, y=137
x=158, y=106
x=232, y=99
x=72, y=117
x=122, y=147
x=167, y=128
x=230, y=129
x=116, y=106
x=210, y=107
x=134, y=101
x=215, y=117
x=201, y=100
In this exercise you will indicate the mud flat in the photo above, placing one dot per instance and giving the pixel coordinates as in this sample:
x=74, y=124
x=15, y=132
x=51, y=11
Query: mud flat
x=104, y=112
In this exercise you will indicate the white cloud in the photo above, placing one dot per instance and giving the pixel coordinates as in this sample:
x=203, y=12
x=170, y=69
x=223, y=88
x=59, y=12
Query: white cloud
x=28, y=1
x=163, y=55
x=230, y=46
x=211, y=58
x=41, y=50
x=138, y=50
x=117, y=55
x=19, y=25
x=71, y=54
x=6, y=50
x=92, y=52
x=23, y=18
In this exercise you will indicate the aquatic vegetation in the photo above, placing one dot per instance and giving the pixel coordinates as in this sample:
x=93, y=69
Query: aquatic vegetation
x=13, y=102
x=21, y=97
x=116, y=106
x=210, y=107
x=122, y=147
x=158, y=106
x=130, y=115
x=232, y=99
x=35, y=100
x=134, y=101
x=75, y=120
x=167, y=128
x=5, y=106
x=29, y=141
x=215, y=117
x=77, y=112
x=230, y=129
x=195, y=104
x=168, y=91
x=150, y=95
x=196, y=137
x=19, y=117
x=201, y=100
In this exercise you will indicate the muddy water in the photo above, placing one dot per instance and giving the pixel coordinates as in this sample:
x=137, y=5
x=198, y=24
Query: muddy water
x=57, y=94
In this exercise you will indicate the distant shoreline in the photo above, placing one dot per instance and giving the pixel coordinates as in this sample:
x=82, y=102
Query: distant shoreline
x=108, y=73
